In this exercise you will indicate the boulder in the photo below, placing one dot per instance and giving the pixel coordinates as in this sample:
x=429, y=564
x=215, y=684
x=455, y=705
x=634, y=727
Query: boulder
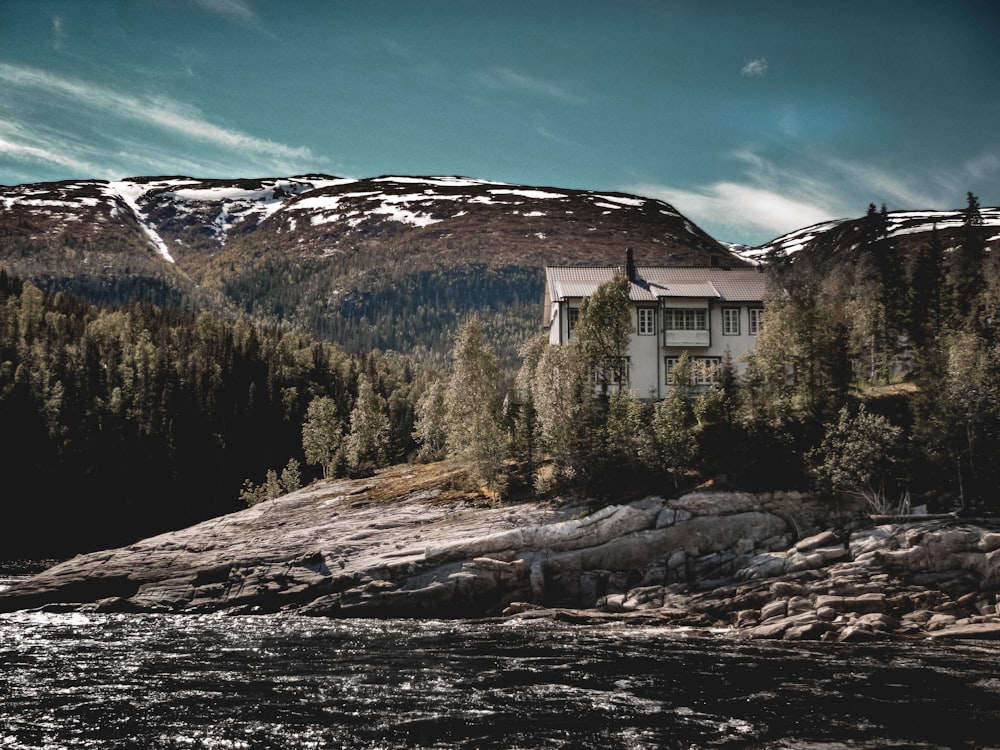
x=985, y=631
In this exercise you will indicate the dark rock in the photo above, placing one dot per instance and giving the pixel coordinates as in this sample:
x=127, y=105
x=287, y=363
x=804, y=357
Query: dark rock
x=985, y=631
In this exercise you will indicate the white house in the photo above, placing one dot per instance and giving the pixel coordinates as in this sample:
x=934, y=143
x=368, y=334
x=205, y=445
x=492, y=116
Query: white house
x=710, y=313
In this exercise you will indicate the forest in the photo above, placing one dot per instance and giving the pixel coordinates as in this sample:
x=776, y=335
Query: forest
x=876, y=374
x=126, y=421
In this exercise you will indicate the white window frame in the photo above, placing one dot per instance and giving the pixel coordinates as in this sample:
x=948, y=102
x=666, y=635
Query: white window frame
x=646, y=321
x=705, y=370
x=731, y=321
x=572, y=320
x=619, y=375
x=685, y=319
x=756, y=320
x=669, y=363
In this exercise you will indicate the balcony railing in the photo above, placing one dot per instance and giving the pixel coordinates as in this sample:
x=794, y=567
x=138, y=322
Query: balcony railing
x=687, y=338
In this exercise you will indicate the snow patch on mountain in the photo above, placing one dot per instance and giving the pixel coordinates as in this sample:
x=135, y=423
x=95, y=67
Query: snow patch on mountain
x=527, y=193
x=788, y=244
x=130, y=193
x=899, y=223
x=621, y=201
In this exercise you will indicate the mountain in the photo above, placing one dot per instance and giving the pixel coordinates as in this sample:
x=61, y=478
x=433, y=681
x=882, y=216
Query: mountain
x=389, y=262
x=907, y=230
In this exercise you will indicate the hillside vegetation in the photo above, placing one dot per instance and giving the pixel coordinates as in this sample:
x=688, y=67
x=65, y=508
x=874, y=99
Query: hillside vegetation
x=168, y=345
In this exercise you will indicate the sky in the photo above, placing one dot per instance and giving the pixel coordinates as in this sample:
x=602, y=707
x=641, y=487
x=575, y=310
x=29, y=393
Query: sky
x=752, y=117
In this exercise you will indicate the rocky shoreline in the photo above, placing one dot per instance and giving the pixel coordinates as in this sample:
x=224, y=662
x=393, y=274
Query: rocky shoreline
x=412, y=543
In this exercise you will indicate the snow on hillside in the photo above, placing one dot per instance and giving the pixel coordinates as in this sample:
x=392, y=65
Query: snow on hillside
x=170, y=210
x=130, y=193
x=788, y=244
x=900, y=223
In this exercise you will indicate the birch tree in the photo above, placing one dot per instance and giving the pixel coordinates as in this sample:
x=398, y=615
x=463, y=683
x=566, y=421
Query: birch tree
x=473, y=400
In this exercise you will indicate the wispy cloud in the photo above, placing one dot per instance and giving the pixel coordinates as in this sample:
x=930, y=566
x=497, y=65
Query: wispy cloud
x=766, y=199
x=984, y=166
x=233, y=10
x=765, y=202
x=880, y=184
x=504, y=79
x=173, y=119
x=755, y=68
x=740, y=211
x=19, y=150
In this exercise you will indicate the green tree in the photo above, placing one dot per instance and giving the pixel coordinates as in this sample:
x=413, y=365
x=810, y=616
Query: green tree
x=474, y=400
x=958, y=417
x=368, y=440
x=862, y=454
x=563, y=396
x=675, y=444
x=798, y=364
x=322, y=433
x=291, y=476
x=926, y=282
x=627, y=443
x=721, y=436
x=252, y=494
x=605, y=329
x=430, y=427
x=965, y=267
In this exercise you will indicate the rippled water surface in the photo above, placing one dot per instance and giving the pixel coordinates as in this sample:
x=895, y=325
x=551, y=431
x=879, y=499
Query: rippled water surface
x=164, y=681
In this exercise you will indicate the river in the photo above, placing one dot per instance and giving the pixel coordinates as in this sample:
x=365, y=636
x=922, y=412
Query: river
x=73, y=680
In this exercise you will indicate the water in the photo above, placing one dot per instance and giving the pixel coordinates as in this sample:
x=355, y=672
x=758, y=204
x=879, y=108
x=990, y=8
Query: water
x=70, y=680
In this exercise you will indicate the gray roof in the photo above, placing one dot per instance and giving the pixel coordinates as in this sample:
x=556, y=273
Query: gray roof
x=657, y=282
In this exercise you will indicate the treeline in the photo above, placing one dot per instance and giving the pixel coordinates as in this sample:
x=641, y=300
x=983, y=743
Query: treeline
x=874, y=374
x=127, y=421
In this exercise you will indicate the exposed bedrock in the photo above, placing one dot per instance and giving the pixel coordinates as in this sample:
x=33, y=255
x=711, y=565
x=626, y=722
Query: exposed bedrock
x=404, y=544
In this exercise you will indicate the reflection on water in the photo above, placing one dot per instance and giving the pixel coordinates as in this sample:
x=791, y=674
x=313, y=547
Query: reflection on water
x=161, y=681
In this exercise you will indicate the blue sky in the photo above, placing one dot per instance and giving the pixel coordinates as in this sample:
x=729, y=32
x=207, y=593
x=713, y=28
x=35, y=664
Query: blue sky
x=752, y=118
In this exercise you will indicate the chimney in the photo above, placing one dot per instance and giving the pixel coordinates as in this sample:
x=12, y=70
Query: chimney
x=629, y=264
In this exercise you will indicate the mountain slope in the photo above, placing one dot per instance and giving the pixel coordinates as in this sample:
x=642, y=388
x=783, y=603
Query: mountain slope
x=387, y=262
x=907, y=230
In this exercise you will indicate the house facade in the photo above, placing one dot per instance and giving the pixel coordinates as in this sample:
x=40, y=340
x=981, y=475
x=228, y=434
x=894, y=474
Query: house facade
x=709, y=313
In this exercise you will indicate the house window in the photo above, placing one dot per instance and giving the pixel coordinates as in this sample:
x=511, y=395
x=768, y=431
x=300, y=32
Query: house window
x=669, y=363
x=756, y=320
x=615, y=370
x=731, y=321
x=704, y=370
x=685, y=319
x=647, y=321
x=573, y=317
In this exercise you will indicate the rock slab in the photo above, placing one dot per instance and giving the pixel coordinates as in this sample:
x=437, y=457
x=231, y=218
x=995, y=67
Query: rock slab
x=407, y=544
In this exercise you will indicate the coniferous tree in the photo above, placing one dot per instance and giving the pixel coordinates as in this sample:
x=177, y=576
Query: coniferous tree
x=965, y=268
x=675, y=444
x=926, y=281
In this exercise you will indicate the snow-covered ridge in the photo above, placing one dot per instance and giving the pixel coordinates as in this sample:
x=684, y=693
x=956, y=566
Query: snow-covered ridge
x=899, y=223
x=176, y=213
x=788, y=244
